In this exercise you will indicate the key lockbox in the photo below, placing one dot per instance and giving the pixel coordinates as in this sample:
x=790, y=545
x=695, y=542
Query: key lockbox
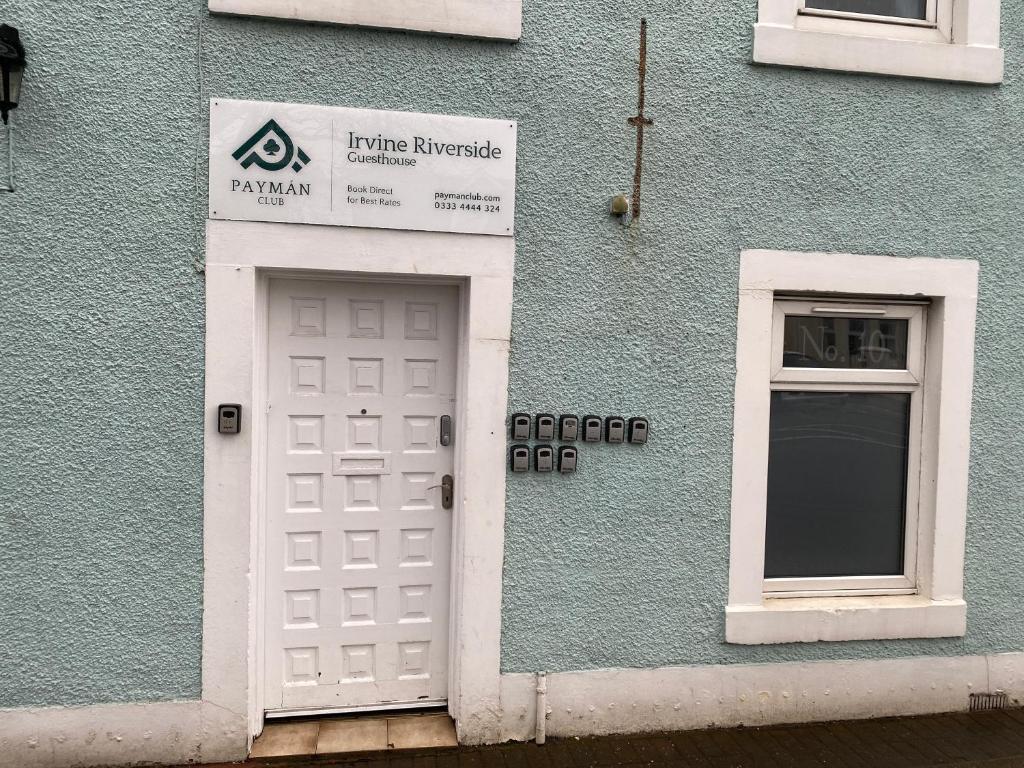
x=638, y=430
x=569, y=428
x=229, y=418
x=520, y=457
x=592, y=429
x=615, y=429
x=545, y=426
x=544, y=458
x=567, y=458
x=520, y=426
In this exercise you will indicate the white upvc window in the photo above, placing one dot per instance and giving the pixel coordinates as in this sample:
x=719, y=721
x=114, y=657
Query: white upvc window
x=954, y=40
x=850, y=454
x=497, y=19
x=844, y=455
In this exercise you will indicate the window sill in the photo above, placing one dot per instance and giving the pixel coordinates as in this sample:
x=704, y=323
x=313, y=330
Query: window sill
x=787, y=46
x=500, y=20
x=814, y=619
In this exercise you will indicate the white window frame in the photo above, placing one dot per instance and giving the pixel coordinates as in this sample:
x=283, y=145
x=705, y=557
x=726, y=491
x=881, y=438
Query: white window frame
x=497, y=19
x=909, y=380
x=958, y=41
x=933, y=606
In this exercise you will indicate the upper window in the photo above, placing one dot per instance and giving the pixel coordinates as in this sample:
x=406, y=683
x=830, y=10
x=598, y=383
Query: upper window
x=918, y=10
x=498, y=19
x=936, y=39
x=900, y=9
x=850, y=447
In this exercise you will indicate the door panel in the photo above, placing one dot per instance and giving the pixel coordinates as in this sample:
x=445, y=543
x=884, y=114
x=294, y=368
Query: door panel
x=357, y=542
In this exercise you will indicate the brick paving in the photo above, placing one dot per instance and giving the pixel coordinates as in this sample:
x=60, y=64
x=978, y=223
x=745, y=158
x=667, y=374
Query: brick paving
x=992, y=739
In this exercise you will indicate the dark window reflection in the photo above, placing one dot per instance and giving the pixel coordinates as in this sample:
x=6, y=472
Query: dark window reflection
x=904, y=9
x=837, y=484
x=844, y=342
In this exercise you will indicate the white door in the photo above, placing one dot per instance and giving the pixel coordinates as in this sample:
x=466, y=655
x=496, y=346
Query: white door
x=357, y=540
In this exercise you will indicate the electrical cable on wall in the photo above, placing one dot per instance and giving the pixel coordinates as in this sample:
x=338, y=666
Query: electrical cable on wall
x=9, y=130
x=198, y=257
x=12, y=68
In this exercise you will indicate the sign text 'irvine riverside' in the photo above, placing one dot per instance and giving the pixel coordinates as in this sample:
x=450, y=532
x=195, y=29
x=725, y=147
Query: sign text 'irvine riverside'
x=361, y=168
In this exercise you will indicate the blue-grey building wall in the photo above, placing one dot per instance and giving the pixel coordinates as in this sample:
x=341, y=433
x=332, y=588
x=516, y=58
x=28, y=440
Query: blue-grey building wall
x=101, y=380
x=623, y=564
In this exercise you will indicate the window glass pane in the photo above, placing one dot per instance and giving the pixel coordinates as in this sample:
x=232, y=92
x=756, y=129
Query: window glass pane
x=905, y=9
x=844, y=342
x=837, y=483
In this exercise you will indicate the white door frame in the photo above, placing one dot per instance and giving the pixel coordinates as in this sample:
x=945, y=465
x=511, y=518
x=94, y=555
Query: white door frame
x=240, y=258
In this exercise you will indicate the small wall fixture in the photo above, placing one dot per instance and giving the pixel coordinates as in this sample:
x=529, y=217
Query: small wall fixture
x=619, y=207
x=12, y=65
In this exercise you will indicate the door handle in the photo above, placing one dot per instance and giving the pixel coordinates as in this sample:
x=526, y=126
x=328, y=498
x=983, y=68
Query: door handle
x=447, y=491
x=446, y=430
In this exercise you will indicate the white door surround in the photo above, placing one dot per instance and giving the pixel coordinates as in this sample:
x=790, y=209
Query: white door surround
x=241, y=257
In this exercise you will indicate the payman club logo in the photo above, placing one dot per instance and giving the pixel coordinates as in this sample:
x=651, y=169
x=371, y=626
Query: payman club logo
x=271, y=149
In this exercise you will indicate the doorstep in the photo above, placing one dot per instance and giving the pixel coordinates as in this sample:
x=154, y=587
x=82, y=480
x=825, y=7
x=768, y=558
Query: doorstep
x=341, y=735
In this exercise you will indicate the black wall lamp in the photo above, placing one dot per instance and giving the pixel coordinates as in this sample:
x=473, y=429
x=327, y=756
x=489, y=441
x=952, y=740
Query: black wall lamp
x=12, y=65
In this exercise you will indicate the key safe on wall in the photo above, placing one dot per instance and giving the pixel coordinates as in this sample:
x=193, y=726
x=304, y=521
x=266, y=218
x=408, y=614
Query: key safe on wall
x=545, y=427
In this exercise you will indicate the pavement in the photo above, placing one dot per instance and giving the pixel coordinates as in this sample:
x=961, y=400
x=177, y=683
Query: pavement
x=993, y=739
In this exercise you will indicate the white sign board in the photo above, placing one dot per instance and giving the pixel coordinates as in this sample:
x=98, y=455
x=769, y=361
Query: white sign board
x=361, y=168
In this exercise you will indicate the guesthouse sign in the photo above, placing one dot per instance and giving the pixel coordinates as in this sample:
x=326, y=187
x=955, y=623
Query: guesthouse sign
x=361, y=168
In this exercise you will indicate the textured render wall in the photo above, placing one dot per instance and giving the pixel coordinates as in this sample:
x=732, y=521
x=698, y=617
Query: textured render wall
x=101, y=323
x=624, y=564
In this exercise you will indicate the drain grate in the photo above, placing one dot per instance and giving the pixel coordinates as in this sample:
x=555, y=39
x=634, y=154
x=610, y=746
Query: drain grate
x=981, y=702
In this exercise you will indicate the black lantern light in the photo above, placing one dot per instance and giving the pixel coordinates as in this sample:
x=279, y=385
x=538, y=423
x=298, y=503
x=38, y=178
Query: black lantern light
x=12, y=65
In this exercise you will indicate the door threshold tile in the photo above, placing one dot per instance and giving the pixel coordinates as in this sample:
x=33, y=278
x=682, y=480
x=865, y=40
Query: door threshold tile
x=360, y=735
x=419, y=731
x=286, y=739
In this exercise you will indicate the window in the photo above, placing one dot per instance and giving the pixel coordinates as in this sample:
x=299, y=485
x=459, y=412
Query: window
x=498, y=19
x=852, y=423
x=936, y=39
x=844, y=432
x=918, y=10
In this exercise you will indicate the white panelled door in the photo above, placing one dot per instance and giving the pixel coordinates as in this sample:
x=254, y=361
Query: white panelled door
x=357, y=541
